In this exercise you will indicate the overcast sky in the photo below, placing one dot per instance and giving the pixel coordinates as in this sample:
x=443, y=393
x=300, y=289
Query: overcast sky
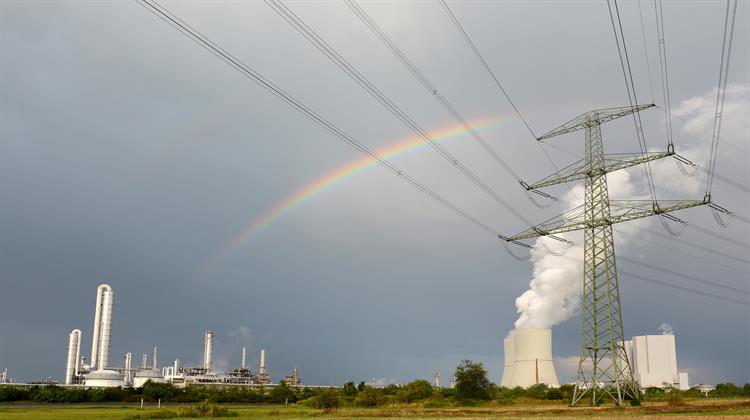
x=129, y=155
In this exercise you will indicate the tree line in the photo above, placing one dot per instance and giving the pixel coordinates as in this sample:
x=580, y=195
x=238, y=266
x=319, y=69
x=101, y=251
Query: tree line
x=472, y=386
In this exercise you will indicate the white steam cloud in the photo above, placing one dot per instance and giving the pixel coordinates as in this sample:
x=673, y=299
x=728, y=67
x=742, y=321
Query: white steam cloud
x=554, y=293
x=666, y=329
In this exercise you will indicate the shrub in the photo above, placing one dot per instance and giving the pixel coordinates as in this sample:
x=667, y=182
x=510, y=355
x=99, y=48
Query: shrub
x=328, y=400
x=369, y=397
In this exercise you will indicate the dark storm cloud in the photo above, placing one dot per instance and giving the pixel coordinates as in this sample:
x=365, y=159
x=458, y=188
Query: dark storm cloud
x=131, y=156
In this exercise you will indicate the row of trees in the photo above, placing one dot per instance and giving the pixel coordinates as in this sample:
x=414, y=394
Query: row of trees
x=472, y=386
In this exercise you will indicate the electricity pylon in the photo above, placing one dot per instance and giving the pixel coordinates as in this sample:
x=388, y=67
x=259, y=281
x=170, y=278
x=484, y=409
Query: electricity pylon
x=603, y=368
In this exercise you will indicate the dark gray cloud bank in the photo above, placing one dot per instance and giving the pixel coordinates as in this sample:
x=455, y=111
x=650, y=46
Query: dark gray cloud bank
x=130, y=156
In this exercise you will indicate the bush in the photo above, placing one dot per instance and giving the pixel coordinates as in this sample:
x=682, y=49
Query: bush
x=328, y=400
x=205, y=409
x=369, y=397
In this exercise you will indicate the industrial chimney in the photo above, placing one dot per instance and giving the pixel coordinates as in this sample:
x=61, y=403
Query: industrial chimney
x=509, y=359
x=262, y=368
x=102, y=334
x=532, y=358
x=244, y=358
x=153, y=362
x=74, y=352
x=208, y=350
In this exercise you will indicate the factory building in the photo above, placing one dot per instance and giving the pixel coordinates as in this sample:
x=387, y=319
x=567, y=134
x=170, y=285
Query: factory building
x=98, y=372
x=528, y=358
x=653, y=359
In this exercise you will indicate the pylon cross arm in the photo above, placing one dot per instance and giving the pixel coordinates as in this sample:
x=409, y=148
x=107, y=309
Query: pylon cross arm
x=620, y=211
x=612, y=162
x=599, y=116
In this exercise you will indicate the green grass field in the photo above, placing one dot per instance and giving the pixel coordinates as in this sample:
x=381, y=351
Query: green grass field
x=712, y=409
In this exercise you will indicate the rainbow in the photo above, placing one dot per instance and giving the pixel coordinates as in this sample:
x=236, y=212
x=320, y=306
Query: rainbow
x=395, y=150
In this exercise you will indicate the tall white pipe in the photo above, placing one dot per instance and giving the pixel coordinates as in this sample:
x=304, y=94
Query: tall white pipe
x=105, y=333
x=208, y=350
x=144, y=361
x=128, y=364
x=96, y=333
x=244, y=358
x=262, y=369
x=176, y=366
x=74, y=350
x=156, y=349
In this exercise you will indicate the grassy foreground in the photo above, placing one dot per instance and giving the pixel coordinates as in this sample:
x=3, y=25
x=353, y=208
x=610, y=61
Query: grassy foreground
x=712, y=409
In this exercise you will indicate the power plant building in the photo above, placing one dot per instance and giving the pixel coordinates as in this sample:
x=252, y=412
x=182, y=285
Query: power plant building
x=653, y=359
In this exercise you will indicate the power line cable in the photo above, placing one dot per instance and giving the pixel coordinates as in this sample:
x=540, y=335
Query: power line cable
x=460, y=28
x=237, y=64
x=683, y=288
x=492, y=75
x=683, y=275
x=632, y=98
x=683, y=252
x=442, y=100
x=309, y=34
x=659, y=16
x=645, y=50
x=726, y=51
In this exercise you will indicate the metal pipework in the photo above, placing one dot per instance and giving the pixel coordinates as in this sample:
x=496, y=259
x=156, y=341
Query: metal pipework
x=96, y=333
x=74, y=349
x=128, y=363
x=208, y=350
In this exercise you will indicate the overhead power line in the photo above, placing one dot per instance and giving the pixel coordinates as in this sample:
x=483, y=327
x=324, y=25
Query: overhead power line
x=683, y=252
x=309, y=34
x=492, y=75
x=685, y=289
x=435, y=93
x=237, y=64
x=683, y=275
x=663, y=69
x=721, y=88
x=632, y=97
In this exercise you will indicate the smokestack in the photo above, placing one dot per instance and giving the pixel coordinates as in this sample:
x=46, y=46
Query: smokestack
x=96, y=335
x=508, y=344
x=153, y=362
x=262, y=369
x=74, y=350
x=208, y=350
x=244, y=358
x=144, y=361
x=105, y=332
x=176, y=366
x=532, y=364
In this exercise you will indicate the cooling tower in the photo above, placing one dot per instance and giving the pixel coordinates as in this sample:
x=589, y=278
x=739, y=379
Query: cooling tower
x=208, y=350
x=532, y=358
x=509, y=359
x=74, y=352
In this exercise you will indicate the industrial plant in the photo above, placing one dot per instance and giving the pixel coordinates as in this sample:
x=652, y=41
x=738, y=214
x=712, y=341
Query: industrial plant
x=528, y=360
x=97, y=371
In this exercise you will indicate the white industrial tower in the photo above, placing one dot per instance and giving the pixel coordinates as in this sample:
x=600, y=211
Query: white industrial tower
x=102, y=333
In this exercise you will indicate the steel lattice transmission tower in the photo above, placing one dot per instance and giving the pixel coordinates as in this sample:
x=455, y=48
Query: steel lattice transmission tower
x=603, y=368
